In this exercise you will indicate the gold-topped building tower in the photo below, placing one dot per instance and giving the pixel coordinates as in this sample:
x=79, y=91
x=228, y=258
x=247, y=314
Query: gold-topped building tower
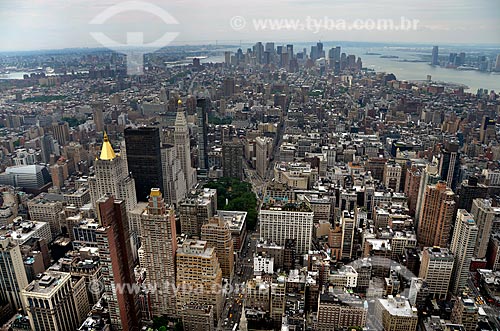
x=107, y=152
x=111, y=176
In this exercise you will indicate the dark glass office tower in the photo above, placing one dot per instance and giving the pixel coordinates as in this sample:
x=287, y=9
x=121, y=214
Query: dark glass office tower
x=144, y=159
x=449, y=164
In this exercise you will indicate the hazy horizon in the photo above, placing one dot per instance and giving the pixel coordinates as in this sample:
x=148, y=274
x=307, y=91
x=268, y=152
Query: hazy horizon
x=235, y=43
x=30, y=25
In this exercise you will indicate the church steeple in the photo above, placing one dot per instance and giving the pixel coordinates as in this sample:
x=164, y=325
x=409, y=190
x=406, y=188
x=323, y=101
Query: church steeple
x=243, y=320
x=107, y=152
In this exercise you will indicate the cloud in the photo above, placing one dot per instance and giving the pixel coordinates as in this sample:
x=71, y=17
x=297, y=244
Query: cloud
x=33, y=24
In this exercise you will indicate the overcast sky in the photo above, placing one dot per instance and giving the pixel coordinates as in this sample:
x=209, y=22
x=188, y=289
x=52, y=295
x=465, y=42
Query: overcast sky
x=54, y=24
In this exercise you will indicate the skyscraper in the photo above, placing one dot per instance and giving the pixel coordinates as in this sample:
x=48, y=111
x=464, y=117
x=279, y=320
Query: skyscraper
x=340, y=310
x=269, y=47
x=60, y=130
x=484, y=214
x=348, y=224
x=174, y=183
x=48, y=147
x=396, y=314
x=438, y=208
x=114, y=243
x=412, y=184
x=197, y=210
x=487, y=130
x=277, y=301
x=232, y=159
x=218, y=235
x=317, y=51
x=111, y=176
x=198, y=268
x=289, y=49
x=314, y=53
x=197, y=317
x=229, y=86
x=465, y=312
x=469, y=190
x=462, y=247
x=331, y=58
x=262, y=155
x=144, y=159
x=12, y=276
x=258, y=50
x=97, y=109
x=159, y=245
x=430, y=176
x=43, y=210
x=449, y=164
x=436, y=270
x=337, y=52
x=56, y=301
x=270, y=53
x=392, y=175
x=435, y=56
x=290, y=221
x=202, y=109
x=182, y=146
x=493, y=256
x=497, y=64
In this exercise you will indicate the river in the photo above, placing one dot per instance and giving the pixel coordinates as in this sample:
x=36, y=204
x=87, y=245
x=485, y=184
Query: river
x=403, y=70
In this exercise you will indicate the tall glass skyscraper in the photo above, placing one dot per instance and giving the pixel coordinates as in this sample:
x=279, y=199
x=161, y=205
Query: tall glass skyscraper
x=144, y=159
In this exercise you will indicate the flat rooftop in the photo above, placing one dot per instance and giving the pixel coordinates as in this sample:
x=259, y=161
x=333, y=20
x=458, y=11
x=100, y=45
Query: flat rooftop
x=195, y=247
x=48, y=282
x=23, y=231
x=234, y=219
x=398, y=306
x=293, y=207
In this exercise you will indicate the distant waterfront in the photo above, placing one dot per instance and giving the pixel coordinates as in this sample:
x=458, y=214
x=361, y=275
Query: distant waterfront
x=403, y=70
x=419, y=70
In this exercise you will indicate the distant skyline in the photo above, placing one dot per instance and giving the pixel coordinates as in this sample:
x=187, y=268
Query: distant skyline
x=57, y=24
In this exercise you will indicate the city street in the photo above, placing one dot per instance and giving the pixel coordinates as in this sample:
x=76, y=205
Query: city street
x=491, y=311
x=242, y=273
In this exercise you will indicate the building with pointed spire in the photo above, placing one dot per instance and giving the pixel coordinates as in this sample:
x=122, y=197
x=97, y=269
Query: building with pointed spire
x=243, y=320
x=111, y=177
x=182, y=146
x=159, y=245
